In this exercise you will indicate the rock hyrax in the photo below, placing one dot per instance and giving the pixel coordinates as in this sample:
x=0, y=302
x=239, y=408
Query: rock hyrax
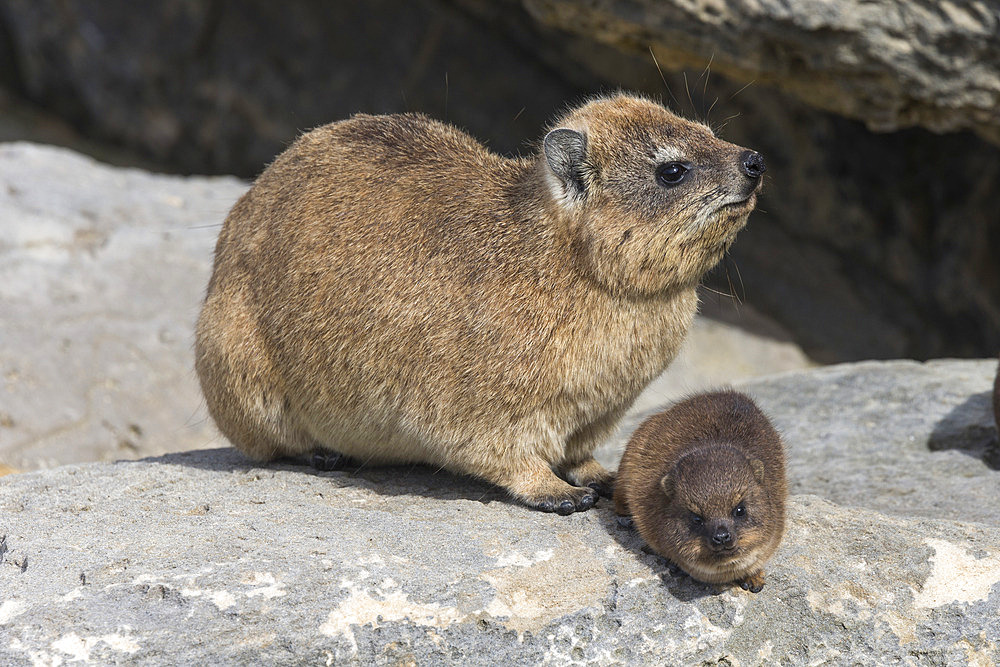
x=391, y=291
x=704, y=483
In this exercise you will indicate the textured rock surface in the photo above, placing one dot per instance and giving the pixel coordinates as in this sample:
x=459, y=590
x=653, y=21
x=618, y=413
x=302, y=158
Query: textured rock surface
x=116, y=562
x=890, y=64
x=102, y=272
x=220, y=87
x=901, y=437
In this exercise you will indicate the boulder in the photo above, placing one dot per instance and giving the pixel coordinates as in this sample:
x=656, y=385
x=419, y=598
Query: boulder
x=900, y=437
x=102, y=273
x=221, y=88
x=205, y=556
x=889, y=64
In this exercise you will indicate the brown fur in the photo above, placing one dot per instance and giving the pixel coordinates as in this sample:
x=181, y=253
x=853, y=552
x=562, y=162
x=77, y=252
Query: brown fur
x=391, y=290
x=699, y=460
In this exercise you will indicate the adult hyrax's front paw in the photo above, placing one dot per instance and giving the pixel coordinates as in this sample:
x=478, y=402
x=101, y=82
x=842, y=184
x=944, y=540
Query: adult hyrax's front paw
x=753, y=583
x=591, y=474
x=575, y=500
x=533, y=483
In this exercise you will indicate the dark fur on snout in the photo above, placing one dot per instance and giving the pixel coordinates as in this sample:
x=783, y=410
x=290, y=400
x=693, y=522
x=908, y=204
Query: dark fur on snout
x=705, y=485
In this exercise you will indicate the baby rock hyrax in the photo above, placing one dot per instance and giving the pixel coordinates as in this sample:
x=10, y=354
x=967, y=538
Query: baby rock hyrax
x=704, y=483
x=390, y=291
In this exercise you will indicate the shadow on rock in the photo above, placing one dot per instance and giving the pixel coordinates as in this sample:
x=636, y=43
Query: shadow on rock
x=676, y=581
x=390, y=480
x=970, y=429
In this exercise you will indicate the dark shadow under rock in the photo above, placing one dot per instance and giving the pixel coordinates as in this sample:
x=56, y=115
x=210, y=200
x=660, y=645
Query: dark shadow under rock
x=969, y=428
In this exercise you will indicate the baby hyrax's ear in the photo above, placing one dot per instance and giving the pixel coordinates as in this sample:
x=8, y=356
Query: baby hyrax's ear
x=758, y=470
x=565, y=153
x=667, y=485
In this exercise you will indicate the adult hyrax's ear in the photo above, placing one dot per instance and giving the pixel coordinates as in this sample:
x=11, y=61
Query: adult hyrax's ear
x=565, y=151
x=758, y=470
x=667, y=485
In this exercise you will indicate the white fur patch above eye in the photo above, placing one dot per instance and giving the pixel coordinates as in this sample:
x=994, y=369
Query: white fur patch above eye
x=668, y=154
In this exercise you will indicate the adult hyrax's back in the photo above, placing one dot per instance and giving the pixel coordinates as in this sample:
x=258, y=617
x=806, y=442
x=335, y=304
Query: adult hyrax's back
x=391, y=291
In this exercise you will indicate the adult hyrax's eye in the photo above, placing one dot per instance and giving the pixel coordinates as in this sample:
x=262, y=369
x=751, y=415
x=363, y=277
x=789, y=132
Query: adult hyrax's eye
x=671, y=173
x=740, y=510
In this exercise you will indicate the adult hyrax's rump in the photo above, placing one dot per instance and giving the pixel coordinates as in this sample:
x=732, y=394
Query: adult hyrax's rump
x=704, y=482
x=390, y=290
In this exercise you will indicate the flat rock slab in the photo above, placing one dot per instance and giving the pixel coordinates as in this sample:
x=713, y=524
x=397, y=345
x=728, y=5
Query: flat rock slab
x=908, y=438
x=205, y=556
x=887, y=63
x=102, y=272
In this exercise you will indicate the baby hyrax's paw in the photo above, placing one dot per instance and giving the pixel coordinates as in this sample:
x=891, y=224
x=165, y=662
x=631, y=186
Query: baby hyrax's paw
x=753, y=583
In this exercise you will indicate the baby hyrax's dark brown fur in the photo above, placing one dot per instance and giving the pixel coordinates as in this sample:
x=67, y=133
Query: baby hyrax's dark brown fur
x=704, y=483
x=391, y=291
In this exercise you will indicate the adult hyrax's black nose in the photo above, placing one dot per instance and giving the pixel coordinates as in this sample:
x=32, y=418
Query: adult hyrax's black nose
x=752, y=164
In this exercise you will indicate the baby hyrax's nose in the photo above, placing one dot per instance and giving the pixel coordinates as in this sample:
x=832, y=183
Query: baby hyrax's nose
x=721, y=537
x=752, y=164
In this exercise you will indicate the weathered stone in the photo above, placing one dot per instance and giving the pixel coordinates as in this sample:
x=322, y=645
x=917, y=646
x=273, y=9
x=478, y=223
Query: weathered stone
x=900, y=437
x=890, y=64
x=996, y=398
x=102, y=272
x=115, y=562
x=220, y=87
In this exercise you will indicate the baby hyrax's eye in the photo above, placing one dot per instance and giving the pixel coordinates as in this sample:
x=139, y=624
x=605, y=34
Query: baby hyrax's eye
x=670, y=174
x=740, y=511
x=696, y=521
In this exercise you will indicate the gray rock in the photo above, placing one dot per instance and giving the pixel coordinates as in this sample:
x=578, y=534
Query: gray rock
x=102, y=272
x=900, y=437
x=213, y=87
x=206, y=557
x=890, y=64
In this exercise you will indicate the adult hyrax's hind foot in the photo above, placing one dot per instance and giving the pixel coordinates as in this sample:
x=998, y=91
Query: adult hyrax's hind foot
x=591, y=474
x=327, y=460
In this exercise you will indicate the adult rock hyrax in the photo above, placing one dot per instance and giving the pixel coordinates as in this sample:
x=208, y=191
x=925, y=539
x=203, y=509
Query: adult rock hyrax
x=391, y=291
x=704, y=482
